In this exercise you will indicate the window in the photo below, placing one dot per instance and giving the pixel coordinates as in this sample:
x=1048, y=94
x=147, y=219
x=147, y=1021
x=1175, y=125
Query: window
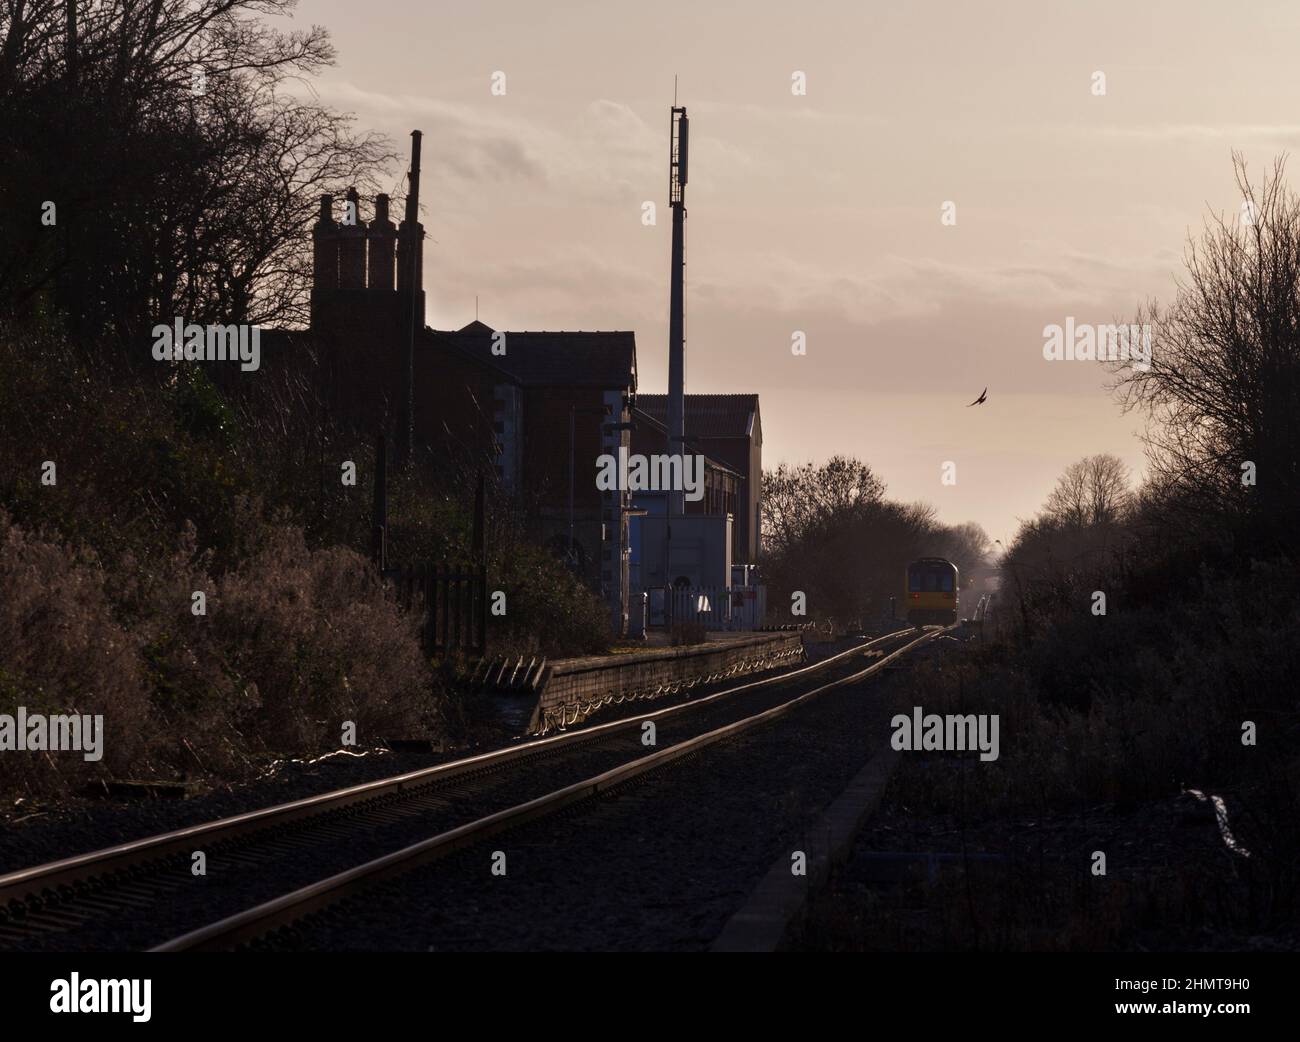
x=930, y=578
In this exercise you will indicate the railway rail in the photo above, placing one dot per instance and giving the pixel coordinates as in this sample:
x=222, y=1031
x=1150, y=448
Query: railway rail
x=255, y=922
x=276, y=864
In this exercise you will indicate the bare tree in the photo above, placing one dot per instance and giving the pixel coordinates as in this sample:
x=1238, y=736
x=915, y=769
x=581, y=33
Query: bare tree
x=967, y=546
x=797, y=499
x=182, y=169
x=1077, y=544
x=1224, y=376
x=1094, y=491
x=831, y=534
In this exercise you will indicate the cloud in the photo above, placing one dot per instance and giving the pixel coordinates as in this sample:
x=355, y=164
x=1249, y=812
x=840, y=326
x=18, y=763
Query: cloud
x=562, y=287
x=892, y=288
x=1162, y=133
x=602, y=152
x=463, y=142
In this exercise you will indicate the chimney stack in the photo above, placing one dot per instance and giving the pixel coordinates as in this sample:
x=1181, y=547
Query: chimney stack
x=352, y=244
x=325, y=248
x=410, y=244
x=413, y=196
x=383, y=245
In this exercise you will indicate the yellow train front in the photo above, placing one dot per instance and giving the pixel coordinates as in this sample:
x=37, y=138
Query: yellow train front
x=930, y=591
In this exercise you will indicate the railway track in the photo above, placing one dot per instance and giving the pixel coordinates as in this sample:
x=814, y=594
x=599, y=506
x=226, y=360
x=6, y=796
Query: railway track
x=272, y=866
x=356, y=884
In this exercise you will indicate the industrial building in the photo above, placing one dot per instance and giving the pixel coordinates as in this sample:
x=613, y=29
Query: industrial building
x=538, y=408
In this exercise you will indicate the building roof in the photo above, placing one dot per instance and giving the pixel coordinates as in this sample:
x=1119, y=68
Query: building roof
x=707, y=415
x=542, y=359
x=643, y=418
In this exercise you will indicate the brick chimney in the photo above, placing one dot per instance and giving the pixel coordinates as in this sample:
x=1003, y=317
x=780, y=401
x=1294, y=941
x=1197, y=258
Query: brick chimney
x=352, y=244
x=325, y=248
x=367, y=323
x=382, y=240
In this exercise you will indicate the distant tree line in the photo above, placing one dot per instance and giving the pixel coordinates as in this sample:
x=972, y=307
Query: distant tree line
x=830, y=532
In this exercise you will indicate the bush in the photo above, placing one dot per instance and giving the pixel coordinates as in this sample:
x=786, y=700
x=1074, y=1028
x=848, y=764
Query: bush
x=62, y=652
x=549, y=611
x=294, y=643
x=165, y=488
x=1134, y=708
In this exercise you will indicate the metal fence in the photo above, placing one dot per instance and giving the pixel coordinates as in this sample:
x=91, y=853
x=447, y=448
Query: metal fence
x=748, y=607
x=453, y=599
x=716, y=607
x=707, y=605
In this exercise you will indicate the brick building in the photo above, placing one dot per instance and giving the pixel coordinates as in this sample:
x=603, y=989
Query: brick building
x=536, y=408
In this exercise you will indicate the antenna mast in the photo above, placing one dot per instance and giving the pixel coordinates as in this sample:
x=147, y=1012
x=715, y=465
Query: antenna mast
x=677, y=170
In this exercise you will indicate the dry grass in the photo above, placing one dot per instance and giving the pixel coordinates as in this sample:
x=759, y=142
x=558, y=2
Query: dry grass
x=1105, y=722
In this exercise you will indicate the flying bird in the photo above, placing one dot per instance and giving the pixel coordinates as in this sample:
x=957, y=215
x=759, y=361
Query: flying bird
x=980, y=400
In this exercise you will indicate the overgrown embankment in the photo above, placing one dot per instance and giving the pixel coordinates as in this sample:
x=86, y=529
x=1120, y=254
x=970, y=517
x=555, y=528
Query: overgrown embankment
x=193, y=569
x=1162, y=736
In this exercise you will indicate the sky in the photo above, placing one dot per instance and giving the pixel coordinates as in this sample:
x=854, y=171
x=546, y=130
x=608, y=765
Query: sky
x=822, y=212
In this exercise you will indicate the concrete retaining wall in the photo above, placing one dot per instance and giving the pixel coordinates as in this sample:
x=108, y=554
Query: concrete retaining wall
x=574, y=688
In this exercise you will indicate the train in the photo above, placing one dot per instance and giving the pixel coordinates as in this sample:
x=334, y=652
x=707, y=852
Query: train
x=930, y=591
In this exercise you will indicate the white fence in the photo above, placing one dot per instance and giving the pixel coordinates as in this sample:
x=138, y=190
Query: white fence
x=748, y=607
x=738, y=608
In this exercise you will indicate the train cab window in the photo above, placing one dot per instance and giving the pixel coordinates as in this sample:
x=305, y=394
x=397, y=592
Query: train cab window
x=933, y=582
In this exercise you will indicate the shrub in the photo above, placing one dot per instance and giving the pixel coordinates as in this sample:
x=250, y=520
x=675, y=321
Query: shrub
x=294, y=643
x=62, y=652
